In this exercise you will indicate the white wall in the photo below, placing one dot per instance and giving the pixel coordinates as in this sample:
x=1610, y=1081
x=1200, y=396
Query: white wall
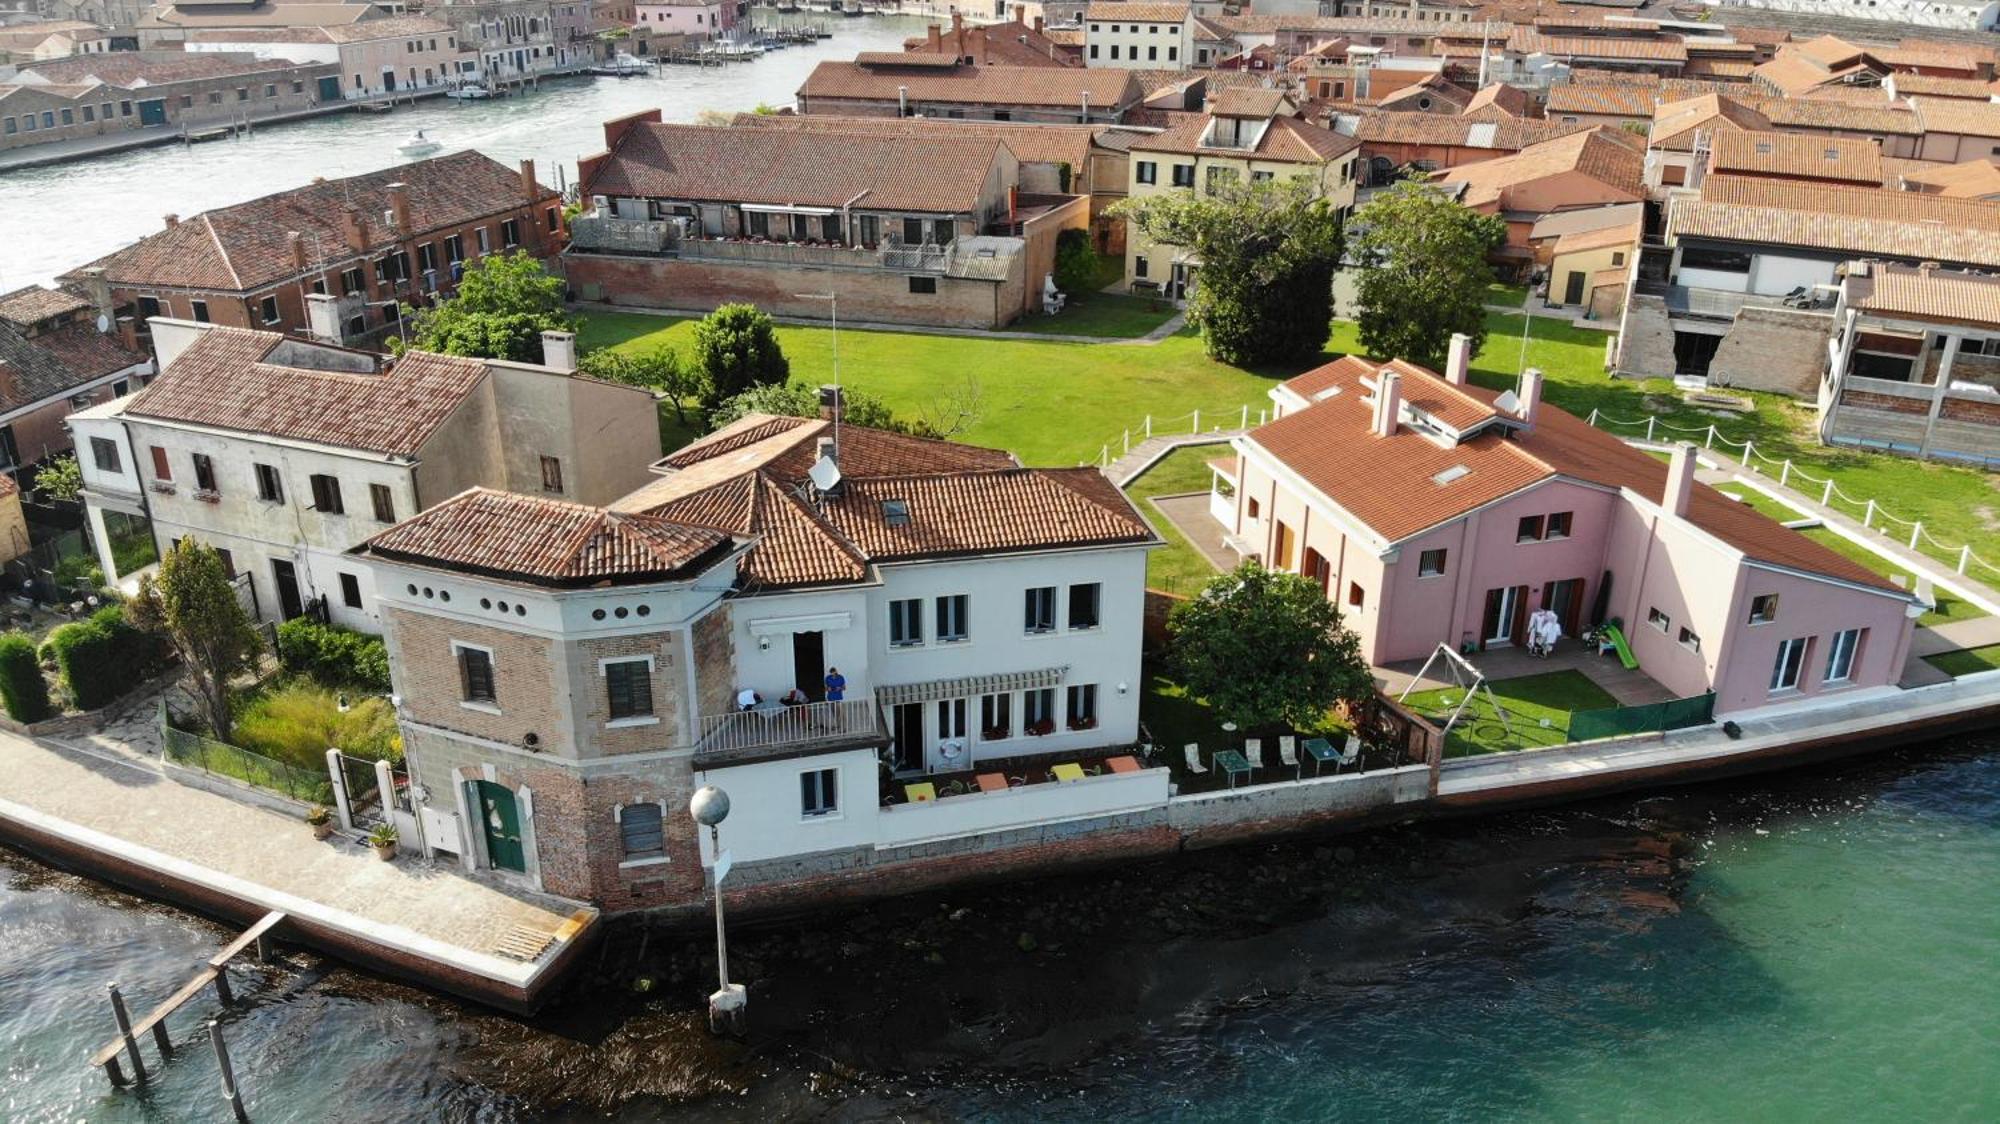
x=1133, y=41
x=763, y=627
x=976, y=813
x=1775, y=275
x=765, y=820
x=1713, y=279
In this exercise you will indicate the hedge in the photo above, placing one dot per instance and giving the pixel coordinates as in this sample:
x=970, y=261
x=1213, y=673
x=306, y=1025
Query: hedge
x=332, y=654
x=103, y=656
x=22, y=687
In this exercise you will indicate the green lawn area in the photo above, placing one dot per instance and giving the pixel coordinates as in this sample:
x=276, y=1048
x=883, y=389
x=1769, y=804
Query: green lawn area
x=1174, y=719
x=1048, y=402
x=1966, y=661
x=1177, y=567
x=1501, y=293
x=1105, y=315
x=1763, y=504
x=1538, y=709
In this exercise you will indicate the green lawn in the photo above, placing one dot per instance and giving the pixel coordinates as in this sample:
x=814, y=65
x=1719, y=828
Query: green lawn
x=1104, y=315
x=1175, y=719
x=1538, y=709
x=1177, y=567
x=1949, y=608
x=1050, y=403
x=1512, y=296
x=1966, y=661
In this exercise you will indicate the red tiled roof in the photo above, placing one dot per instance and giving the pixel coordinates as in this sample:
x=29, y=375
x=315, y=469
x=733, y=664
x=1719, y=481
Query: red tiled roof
x=1610, y=101
x=35, y=303
x=1064, y=86
x=222, y=380
x=1797, y=154
x=1592, y=153
x=1286, y=140
x=546, y=541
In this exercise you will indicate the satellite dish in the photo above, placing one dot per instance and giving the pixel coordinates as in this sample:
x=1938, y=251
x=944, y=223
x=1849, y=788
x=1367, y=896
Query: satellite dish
x=103, y=322
x=1507, y=403
x=825, y=474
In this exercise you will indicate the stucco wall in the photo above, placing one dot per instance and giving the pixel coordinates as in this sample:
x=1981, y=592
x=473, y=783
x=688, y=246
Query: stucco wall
x=882, y=296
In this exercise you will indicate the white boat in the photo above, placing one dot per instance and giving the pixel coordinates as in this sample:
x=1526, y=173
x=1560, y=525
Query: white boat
x=470, y=91
x=621, y=65
x=418, y=145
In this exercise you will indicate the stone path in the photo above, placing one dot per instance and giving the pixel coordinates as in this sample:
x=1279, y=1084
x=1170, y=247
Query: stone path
x=1189, y=515
x=1141, y=457
x=412, y=904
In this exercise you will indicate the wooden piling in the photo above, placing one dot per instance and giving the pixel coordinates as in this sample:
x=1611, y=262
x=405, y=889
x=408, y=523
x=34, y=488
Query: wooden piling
x=125, y=1032
x=230, y=1091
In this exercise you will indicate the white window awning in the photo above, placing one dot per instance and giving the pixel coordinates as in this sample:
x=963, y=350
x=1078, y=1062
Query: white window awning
x=788, y=209
x=970, y=686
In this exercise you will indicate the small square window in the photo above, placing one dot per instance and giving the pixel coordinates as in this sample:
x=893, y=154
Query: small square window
x=326, y=494
x=819, y=792
x=906, y=622
x=1430, y=563
x=923, y=284
x=268, y=309
x=1558, y=526
x=350, y=591
x=628, y=686
x=1357, y=598
x=951, y=613
x=1689, y=640
x=104, y=452
x=642, y=830
x=1529, y=529
x=1084, y=604
x=1658, y=619
x=475, y=675
x=1039, y=614
x=1764, y=608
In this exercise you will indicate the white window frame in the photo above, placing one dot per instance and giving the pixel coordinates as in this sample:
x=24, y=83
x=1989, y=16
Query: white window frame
x=493, y=660
x=1069, y=598
x=964, y=617
x=618, y=819
x=839, y=809
x=604, y=673
x=1054, y=614
x=1013, y=728
x=1798, y=667
x=895, y=605
x=1834, y=653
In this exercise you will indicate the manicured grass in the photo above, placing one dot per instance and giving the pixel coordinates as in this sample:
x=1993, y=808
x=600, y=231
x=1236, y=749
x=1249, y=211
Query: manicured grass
x=1177, y=567
x=1104, y=315
x=1530, y=701
x=1500, y=293
x=1050, y=403
x=1966, y=661
x=1174, y=719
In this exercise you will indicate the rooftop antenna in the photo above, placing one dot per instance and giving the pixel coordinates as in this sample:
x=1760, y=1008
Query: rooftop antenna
x=833, y=303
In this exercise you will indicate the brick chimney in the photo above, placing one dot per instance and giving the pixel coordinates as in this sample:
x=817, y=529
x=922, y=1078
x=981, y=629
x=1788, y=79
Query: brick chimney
x=1388, y=402
x=1458, y=363
x=173, y=221
x=100, y=293
x=1530, y=395
x=935, y=35
x=1680, y=481
x=1038, y=25
x=531, y=188
x=352, y=231
x=559, y=350
x=297, y=242
x=958, y=33
x=832, y=403
x=399, y=205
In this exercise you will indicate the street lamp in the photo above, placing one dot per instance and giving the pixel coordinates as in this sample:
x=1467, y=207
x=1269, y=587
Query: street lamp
x=833, y=311
x=709, y=808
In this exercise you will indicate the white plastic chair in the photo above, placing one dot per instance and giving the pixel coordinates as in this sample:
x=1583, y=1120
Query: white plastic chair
x=1349, y=753
x=1194, y=759
x=1253, y=752
x=1288, y=752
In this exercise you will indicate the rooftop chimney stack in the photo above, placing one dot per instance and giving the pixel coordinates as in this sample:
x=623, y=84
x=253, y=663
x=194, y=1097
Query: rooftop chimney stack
x=559, y=351
x=531, y=188
x=351, y=230
x=173, y=221
x=297, y=242
x=936, y=35
x=1388, y=402
x=1530, y=395
x=399, y=206
x=958, y=33
x=100, y=294
x=1038, y=25
x=832, y=403
x=1459, y=362
x=1680, y=480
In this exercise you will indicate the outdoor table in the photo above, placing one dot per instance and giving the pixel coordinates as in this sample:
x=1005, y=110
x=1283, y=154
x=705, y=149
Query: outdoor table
x=922, y=793
x=1126, y=764
x=1067, y=771
x=1322, y=751
x=992, y=782
x=770, y=708
x=1232, y=763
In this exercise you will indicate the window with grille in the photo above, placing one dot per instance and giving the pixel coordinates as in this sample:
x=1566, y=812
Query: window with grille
x=628, y=686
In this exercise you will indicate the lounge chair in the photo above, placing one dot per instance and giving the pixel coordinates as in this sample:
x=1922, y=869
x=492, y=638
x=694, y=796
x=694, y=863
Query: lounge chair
x=1194, y=759
x=1253, y=752
x=1288, y=752
x=1349, y=753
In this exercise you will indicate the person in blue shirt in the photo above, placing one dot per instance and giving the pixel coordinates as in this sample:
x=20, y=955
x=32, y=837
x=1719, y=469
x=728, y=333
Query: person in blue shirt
x=836, y=685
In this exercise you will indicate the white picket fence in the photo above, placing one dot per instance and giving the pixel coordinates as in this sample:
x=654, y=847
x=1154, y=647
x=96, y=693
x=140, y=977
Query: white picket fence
x=1238, y=417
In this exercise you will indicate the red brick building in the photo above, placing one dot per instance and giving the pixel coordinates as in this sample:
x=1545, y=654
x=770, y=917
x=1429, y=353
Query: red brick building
x=53, y=360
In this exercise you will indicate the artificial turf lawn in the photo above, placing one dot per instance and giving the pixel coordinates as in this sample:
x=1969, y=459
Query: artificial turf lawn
x=1529, y=700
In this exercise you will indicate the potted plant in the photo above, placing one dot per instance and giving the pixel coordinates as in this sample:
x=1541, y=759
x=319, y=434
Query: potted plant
x=320, y=820
x=383, y=839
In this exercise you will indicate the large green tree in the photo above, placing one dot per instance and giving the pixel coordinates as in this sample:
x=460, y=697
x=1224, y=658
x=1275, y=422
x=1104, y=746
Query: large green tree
x=192, y=603
x=503, y=305
x=1268, y=251
x=1267, y=650
x=736, y=347
x=658, y=369
x=1424, y=273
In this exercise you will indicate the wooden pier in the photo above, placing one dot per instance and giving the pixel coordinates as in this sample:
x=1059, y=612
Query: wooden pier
x=216, y=971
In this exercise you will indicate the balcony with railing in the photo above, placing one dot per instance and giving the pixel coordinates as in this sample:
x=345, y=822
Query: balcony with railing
x=771, y=730
x=604, y=234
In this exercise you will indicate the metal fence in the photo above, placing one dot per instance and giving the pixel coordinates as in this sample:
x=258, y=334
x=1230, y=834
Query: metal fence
x=1620, y=721
x=789, y=725
x=313, y=786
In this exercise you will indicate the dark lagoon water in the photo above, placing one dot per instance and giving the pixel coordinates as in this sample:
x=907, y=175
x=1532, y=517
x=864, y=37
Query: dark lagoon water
x=1822, y=945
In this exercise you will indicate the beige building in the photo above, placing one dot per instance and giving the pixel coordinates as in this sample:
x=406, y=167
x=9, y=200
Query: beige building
x=1246, y=136
x=1128, y=35
x=376, y=57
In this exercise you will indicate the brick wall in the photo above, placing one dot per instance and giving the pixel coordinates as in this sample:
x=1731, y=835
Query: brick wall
x=714, y=664
x=1970, y=410
x=593, y=699
x=1983, y=369
x=1773, y=349
x=525, y=671
x=1892, y=403
x=1646, y=343
x=881, y=296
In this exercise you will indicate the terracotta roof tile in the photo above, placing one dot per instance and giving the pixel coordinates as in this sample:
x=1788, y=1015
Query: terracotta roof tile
x=1927, y=294
x=1797, y=154
x=1616, y=101
x=1675, y=123
x=1287, y=140
x=547, y=542
x=126, y=68
x=1141, y=11
x=1458, y=132
x=55, y=361
x=222, y=380
x=1838, y=218
x=984, y=512
x=35, y=303
x=973, y=85
x=1973, y=179
x=1592, y=153
x=1039, y=144
x=1941, y=86
x=1528, y=41
x=1955, y=115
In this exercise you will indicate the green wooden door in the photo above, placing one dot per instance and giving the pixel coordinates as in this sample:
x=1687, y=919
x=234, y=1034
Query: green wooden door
x=502, y=818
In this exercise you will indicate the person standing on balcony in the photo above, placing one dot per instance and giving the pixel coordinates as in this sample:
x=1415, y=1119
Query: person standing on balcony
x=836, y=685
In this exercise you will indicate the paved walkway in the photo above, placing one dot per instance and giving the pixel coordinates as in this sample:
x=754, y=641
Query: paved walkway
x=262, y=855
x=1142, y=456
x=1189, y=515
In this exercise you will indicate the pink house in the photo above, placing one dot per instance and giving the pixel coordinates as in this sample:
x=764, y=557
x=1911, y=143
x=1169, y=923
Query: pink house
x=1437, y=512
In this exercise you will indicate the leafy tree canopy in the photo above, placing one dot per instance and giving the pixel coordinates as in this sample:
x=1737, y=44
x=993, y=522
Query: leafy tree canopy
x=659, y=369
x=1267, y=650
x=736, y=347
x=192, y=603
x=1423, y=273
x=503, y=305
x=1268, y=252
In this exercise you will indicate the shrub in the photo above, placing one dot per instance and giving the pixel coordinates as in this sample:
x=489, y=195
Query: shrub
x=22, y=687
x=333, y=655
x=298, y=721
x=1076, y=262
x=103, y=656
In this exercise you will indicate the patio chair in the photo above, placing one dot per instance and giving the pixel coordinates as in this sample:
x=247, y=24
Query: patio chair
x=1349, y=753
x=1253, y=752
x=1288, y=753
x=1194, y=759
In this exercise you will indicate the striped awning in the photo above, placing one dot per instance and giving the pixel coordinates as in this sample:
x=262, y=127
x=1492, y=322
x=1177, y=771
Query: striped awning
x=970, y=686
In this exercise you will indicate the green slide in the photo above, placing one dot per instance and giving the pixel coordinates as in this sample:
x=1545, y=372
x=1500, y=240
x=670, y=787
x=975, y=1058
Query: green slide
x=1619, y=646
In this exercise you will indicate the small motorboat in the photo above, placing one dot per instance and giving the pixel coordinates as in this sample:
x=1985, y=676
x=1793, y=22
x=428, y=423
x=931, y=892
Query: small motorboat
x=469, y=91
x=621, y=65
x=418, y=145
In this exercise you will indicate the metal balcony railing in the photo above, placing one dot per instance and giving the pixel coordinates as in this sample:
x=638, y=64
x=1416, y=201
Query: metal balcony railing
x=772, y=726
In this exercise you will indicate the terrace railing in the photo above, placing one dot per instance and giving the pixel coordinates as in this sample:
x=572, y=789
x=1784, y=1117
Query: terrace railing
x=803, y=725
x=604, y=234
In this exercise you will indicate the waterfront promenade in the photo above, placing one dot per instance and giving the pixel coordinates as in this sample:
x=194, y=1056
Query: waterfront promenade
x=120, y=816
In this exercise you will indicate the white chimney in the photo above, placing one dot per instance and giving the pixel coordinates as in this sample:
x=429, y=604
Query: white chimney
x=323, y=317
x=1680, y=480
x=1458, y=363
x=559, y=351
x=1530, y=395
x=1388, y=401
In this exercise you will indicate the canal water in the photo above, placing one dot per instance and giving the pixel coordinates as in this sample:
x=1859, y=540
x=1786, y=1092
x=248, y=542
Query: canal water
x=1818, y=945
x=55, y=218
